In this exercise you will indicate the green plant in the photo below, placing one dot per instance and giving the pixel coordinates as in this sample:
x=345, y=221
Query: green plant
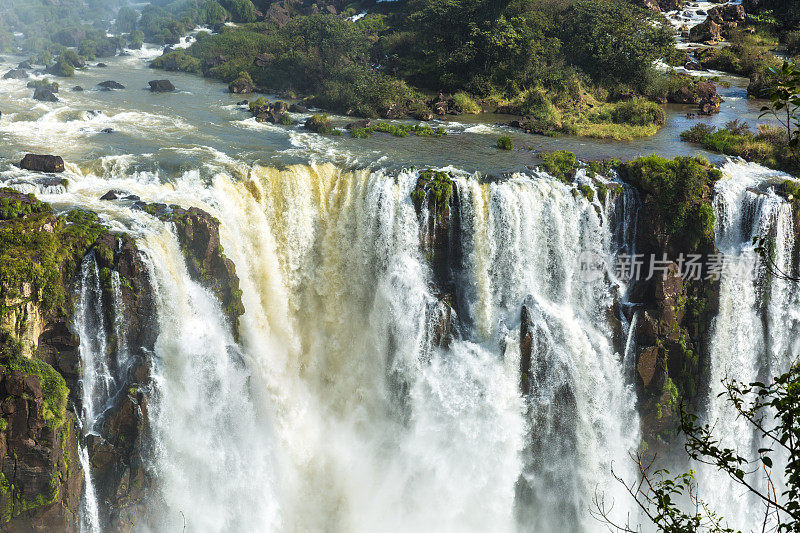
x=505, y=143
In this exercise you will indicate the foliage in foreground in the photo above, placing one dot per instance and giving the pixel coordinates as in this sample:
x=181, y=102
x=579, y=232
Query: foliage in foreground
x=673, y=503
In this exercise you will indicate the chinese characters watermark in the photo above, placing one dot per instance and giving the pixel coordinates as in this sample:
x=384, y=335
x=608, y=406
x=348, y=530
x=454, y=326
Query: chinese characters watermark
x=695, y=267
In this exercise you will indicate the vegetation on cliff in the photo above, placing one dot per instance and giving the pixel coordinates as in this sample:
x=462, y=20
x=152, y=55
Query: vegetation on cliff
x=681, y=189
x=54, y=388
x=41, y=249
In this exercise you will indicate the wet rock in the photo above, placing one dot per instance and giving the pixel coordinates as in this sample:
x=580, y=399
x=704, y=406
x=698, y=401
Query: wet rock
x=706, y=31
x=298, y=108
x=366, y=123
x=16, y=74
x=113, y=194
x=526, y=350
x=319, y=124
x=44, y=94
x=77, y=89
x=107, y=130
x=693, y=65
x=110, y=84
x=101, y=65
x=242, y=102
x=242, y=85
x=42, y=476
x=42, y=163
x=161, y=86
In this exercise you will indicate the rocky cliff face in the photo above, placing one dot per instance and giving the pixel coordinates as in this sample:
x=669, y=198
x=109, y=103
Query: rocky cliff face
x=41, y=480
x=678, y=302
x=198, y=234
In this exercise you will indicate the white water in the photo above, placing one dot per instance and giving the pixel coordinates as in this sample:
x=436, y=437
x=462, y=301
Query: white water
x=335, y=412
x=96, y=381
x=751, y=341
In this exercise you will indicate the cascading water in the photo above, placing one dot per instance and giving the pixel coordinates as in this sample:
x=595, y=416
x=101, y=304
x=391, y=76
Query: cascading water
x=212, y=446
x=337, y=410
x=96, y=381
x=754, y=332
x=581, y=411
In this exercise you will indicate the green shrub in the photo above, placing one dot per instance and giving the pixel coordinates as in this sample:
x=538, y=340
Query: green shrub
x=638, y=112
x=679, y=187
x=560, y=164
x=505, y=143
x=465, y=103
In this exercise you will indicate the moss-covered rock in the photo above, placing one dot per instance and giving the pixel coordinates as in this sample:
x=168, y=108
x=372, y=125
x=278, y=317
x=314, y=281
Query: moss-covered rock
x=676, y=306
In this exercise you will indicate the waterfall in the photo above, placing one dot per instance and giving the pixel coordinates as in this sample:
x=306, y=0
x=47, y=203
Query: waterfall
x=581, y=412
x=754, y=331
x=337, y=410
x=212, y=444
x=95, y=380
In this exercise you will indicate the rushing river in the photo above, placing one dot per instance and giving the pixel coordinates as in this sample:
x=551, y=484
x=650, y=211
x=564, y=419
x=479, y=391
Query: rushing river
x=335, y=411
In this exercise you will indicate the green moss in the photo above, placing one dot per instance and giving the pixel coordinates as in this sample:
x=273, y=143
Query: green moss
x=587, y=191
x=54, y=388
x=39, y=249
x=435, y=185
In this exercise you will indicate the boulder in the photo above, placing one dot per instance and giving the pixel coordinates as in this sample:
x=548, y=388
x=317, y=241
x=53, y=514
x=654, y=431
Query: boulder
x=727, y=13
x=26, y=65
x=298, y=108
x=43, y=94
x=42, y=163
x=161, y=86
x=110, y=84
x=709, y=99
x=107, y=130
x=15, y=74
x=101, y=65
x=319, y=124
x=242, y=85
x=706, y=31
x=77, y=89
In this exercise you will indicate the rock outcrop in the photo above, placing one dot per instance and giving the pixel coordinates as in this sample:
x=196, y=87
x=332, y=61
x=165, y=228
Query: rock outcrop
x=40, y=370
x=44, y=94
x=161, y=86
x=677, y=303
x=42, y=163
x=707, y=31
x=110, y=84
x=198, y=234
